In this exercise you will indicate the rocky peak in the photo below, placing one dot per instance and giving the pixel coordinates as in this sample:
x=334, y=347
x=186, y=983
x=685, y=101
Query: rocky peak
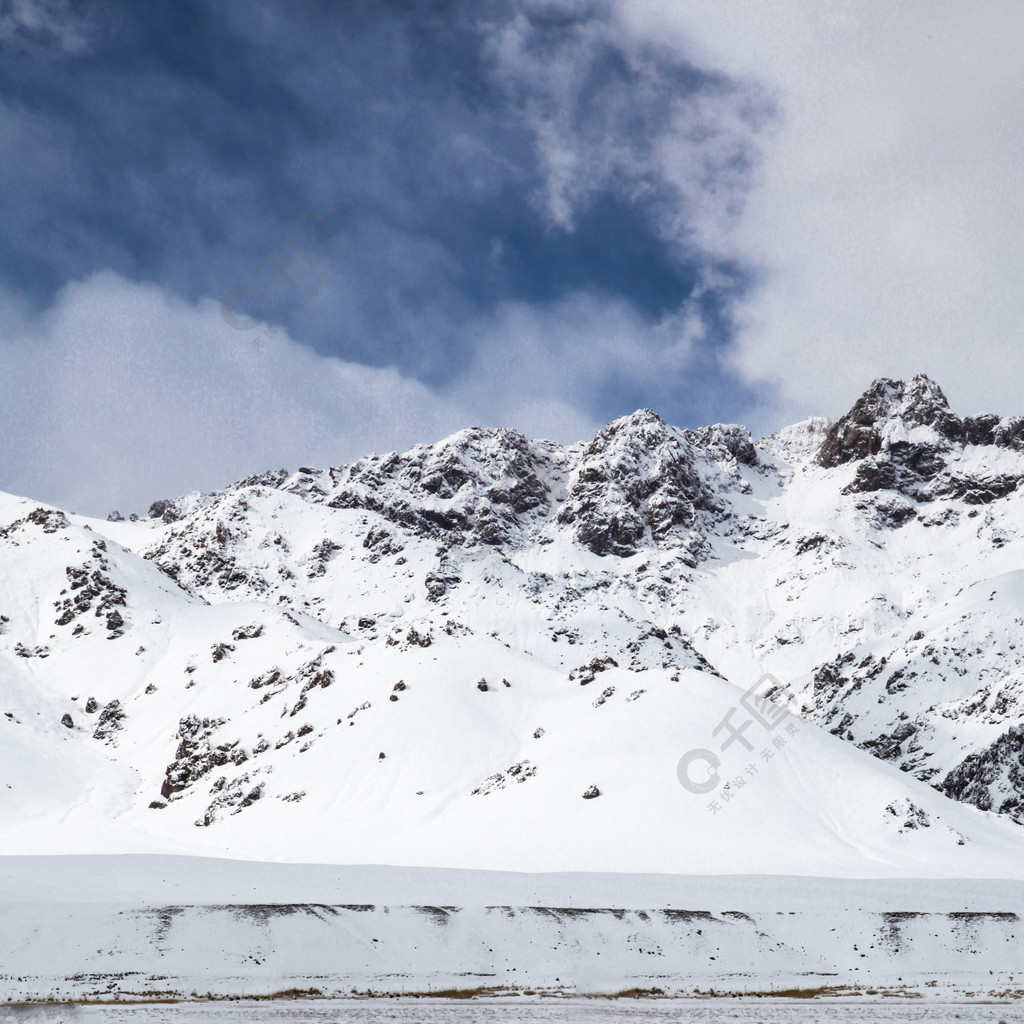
x=889, y=411
x=725, y=441
x=892, y=413
x=637, y=477
x=477, y=484
x=907, y=439
x=500, y=463
x=924, y=404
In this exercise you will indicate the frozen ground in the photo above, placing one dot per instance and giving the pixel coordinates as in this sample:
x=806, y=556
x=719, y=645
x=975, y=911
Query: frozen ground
x=102, y=928
x=440, y=1012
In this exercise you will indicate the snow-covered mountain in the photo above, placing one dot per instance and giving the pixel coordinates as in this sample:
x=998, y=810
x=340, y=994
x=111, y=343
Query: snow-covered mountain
x=492, y=652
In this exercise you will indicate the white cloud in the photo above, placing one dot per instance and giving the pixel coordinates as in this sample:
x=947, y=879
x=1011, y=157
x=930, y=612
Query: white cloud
x=53, y=18
x=885, y=223
x=888, y=211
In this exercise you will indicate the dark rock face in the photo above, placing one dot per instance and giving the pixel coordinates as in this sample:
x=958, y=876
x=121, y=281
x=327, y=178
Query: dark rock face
x=322, y=554
x=220, y=651
x=855, y=435
x=980, y=429
x=925, y=404
x=893, y=746
x=888, y=511
x=90, y=589
x=835, y=685
x=440, y=580
x=1010, y=433
x=308, y=677
x=901, y=467
x=480, y=485
x=831, y=678
x=49, y=520
x=110, y=722
x=31, y=652
x=974, y=780
x=874, y=432
x=195, y=756
x=515, y=774
x=237, y=794
x=638, y=477
x=728, y=438
x=381, y=543
x=586, y=673
x=165, y=509
x=976, y=490
x=67, y=721
x=858, y=434
x=312, y=675
x=874, y=474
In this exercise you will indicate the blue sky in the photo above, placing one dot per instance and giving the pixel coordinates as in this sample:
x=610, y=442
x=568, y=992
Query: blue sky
x=533, y=214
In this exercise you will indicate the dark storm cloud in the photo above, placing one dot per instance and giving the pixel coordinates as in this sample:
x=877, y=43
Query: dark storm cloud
x=237, y=235
x=460, y=156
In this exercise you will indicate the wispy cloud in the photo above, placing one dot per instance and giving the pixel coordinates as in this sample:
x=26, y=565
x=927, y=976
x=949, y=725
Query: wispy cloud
x=611, y=111
x=45, y=22
x=120, y=394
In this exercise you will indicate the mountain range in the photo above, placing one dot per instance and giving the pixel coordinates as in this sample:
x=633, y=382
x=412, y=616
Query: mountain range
x=504, y=653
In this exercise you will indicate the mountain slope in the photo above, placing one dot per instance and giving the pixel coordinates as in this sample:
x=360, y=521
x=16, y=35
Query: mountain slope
x=438, y=657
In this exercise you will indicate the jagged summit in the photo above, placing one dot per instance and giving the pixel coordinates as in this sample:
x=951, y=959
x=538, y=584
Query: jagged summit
x=637, y=478
x=892, y=414
x=640, y=481
x=906, y=439
x=638, y=421
x=886, y=410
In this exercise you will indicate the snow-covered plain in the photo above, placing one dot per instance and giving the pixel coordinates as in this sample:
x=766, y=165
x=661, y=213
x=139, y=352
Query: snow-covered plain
x=491, y=654
x=182, y=928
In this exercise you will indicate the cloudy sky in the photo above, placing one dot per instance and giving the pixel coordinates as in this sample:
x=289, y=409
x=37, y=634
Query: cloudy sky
x=242, y=235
